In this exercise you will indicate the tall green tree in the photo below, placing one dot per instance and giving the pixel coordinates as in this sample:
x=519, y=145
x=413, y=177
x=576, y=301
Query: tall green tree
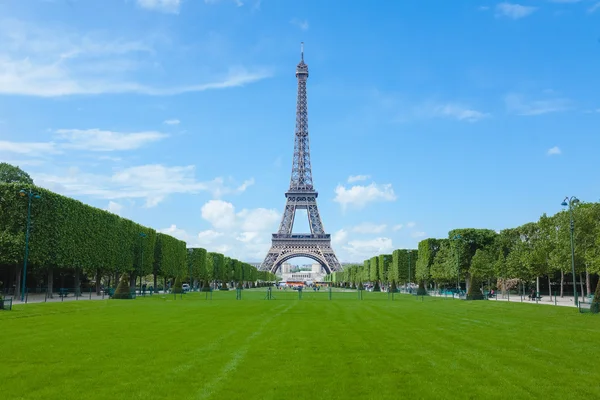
x=13, y=174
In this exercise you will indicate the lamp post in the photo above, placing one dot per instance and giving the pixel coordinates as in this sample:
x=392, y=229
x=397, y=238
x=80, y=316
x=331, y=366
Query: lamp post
x=457, y=237
x=30, y=195
x=409, y=287
x=142, y=235
x=572, y=201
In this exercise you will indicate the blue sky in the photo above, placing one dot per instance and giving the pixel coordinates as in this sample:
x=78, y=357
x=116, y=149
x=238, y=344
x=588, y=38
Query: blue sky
x=424, y=116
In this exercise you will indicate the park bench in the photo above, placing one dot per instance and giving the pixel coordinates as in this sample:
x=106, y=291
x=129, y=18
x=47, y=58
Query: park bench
x=62, y=292
x=535, y=297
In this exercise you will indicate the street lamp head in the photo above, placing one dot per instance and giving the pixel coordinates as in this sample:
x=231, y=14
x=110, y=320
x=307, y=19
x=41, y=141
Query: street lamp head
x=457, y=237
x=37, y=196
x=575, y=200
x=564, y=203
x=22, y=193
x=142, y=234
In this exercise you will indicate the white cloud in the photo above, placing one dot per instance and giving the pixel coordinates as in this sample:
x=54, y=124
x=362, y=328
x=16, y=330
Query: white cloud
x=28, y=148
x=246, y=237
x=258, y=219
x=418, y=234
x=302, y=24
x=238, y=3
x=513, y=11
x=361, y=249
x=114, y=207
x=357, y=178
x=459, y=112
x=208, y=236
x=339, y=237
x=564, y=1
x=397, y=227
x=219, y=213
x=35, y=61
x=172, y=122
x=411, y=224
x=152, y=182
x=368, y=227
x=99, y=140
x=359, y=196
x=166, y=6
x=594, y=8
x=517, y=104
x=554, y=151
x=176, y=232
x=246, y=234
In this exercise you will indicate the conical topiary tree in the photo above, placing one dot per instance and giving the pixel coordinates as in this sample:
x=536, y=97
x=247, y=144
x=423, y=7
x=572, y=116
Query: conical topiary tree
x=224, y=286
x=360, y=286
x=376, y=288
x=421, y=291
x=177, y=286
x=394, y=288
x=205, y=286
x=122, y=291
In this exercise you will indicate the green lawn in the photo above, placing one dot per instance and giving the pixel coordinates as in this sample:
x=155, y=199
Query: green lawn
x=190, y=348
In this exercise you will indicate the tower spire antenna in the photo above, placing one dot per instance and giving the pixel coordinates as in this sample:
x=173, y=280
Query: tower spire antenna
x=302, y=51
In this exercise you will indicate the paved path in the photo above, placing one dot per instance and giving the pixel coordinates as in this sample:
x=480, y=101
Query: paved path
x=566, y=301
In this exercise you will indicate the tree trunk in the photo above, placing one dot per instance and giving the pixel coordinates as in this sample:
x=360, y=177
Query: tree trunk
x=155, y=282
x=132, y=280
x=77, y=282
x=98, y=282
x=588, y=283
x=17, y=291
x=581, y=284
x=562, y=282
x=165, y=285
x=50, y=281
x=549, y=287
x=537, y=285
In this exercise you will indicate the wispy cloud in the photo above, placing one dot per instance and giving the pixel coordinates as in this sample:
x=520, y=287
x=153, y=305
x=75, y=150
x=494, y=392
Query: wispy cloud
x=554, y=151
x=152, y=182
x=35, y=61
x=518, y=104
x=459, y=112
x=397, y=227
x=594, y=8
x=28, y=148
x=369, y=227
x=357, y=178
x=172, y=122
x=166, y=6
x=100, y=140
x=418, y=234
x=513, y=11
x=302, y=24
x=238, y=3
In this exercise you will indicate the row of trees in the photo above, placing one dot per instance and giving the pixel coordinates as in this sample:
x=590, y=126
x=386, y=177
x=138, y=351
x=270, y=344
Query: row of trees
x=535, y=254
x=393, y=269
x=73, y=238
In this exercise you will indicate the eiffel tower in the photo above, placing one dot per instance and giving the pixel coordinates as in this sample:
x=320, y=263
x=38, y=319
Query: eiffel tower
x=315, y=245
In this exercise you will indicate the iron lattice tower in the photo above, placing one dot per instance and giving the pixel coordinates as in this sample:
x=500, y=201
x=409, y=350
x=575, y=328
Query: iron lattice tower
x=301, y=195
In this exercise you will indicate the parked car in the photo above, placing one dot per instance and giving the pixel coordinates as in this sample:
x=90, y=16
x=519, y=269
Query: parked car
x=186, y=287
